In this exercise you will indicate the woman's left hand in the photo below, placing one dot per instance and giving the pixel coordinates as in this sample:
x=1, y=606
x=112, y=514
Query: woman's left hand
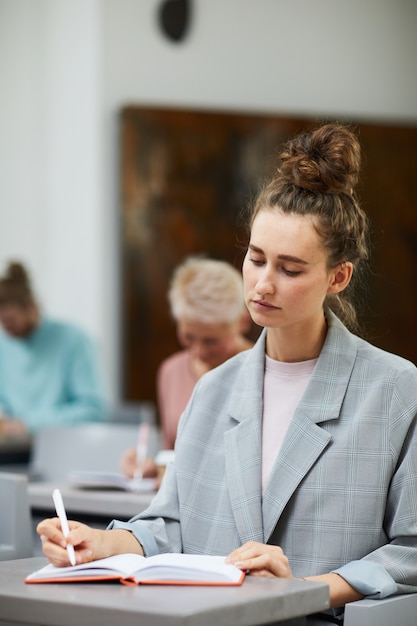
x=261, y=560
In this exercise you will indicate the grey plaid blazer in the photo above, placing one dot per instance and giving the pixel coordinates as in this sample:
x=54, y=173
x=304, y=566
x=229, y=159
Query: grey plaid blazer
x=344, y=484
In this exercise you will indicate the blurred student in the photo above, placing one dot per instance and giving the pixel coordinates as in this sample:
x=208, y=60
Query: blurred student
x=207, y=304
x=49, y=373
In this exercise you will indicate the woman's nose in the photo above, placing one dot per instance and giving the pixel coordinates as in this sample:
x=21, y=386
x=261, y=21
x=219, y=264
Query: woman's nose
x=198, y=350
x=265, y=283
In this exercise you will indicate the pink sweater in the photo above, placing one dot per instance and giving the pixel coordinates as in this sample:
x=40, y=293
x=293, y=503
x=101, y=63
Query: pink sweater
x=284, y=385
x=175, y=384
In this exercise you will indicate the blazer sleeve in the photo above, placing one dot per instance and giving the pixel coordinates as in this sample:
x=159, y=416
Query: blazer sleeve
x=391, y=569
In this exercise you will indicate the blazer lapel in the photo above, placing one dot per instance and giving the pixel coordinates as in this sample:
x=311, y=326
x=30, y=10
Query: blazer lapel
x=306, y=440
x=243, y=445
x=303, y=444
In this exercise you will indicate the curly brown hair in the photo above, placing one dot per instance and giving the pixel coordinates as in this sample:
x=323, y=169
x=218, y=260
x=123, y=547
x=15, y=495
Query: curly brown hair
x=318, y=173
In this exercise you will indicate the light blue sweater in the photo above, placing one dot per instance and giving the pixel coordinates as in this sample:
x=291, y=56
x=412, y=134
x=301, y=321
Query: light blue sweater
x=51, y=377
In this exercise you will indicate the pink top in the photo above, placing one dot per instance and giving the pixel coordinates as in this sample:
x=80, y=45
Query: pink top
x=284, y=385
x=175, y=384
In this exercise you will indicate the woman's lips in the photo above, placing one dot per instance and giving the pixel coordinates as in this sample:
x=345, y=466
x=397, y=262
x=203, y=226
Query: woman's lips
x=264, y=306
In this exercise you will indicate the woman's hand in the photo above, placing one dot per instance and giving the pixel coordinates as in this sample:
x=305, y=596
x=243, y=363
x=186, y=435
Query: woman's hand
x=130, y=466
x=86, y=541
x=128, y=462
x=89, y=543
x=266, y=560
x=261, y=560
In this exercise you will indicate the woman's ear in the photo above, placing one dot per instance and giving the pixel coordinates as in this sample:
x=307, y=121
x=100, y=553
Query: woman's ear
x=340, y=277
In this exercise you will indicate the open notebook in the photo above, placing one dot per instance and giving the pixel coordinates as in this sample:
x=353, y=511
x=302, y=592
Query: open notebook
x=133, y=569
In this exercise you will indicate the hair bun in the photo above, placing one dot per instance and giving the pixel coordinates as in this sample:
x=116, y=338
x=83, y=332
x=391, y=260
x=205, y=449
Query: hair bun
x=17, y=273
x=326, y=160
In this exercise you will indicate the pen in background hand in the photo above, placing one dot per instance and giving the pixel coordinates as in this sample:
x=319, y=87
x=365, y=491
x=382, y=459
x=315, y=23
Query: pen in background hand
x=142, y=448
x=60, y=511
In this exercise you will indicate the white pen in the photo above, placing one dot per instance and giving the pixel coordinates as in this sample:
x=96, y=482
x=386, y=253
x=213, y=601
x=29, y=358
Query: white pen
x=60, y=511
x=142, y=447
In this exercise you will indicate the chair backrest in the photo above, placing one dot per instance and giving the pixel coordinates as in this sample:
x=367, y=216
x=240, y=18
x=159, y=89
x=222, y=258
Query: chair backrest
x=401, y=610
x=16, y=535
x=92, y=446
x=134, y=413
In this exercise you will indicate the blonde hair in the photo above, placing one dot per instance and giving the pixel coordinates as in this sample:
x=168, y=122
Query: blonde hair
x=206, y=290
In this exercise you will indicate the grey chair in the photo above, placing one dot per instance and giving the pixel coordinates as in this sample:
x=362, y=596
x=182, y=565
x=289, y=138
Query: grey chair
x=401, y=610
x=16, y=534
x=92, y=446
x=134, y=413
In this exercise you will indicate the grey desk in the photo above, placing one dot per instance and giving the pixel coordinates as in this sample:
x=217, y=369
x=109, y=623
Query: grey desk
x=257, y=601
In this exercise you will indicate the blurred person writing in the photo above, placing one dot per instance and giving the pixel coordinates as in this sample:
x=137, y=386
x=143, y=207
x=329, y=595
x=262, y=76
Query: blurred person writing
x=49, y=373
x=207, y=304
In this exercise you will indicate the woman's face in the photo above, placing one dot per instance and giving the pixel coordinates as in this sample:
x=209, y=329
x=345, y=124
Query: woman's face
x=18, y=321
x=210, y=343
x=285, y=272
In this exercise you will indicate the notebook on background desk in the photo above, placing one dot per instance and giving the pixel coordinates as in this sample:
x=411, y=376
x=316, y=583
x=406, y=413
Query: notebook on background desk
x=88, y=479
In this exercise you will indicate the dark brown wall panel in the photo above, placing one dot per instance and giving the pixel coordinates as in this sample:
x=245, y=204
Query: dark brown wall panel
x=185, y=178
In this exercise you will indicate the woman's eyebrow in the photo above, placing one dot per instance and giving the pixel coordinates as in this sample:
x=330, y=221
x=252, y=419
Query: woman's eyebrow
x=281, y=257
x=293, y=259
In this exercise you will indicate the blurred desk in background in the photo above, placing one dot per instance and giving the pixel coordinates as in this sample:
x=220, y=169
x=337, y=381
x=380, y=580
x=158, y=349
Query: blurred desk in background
x=96, y=507
x=101, y=503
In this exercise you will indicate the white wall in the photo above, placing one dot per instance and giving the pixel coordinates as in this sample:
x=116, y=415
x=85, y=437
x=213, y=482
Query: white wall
x=300, y=56
x=68, y=66
x=50, y=153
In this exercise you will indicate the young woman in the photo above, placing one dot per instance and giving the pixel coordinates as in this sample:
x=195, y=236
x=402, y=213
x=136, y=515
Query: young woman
x=297, y=458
